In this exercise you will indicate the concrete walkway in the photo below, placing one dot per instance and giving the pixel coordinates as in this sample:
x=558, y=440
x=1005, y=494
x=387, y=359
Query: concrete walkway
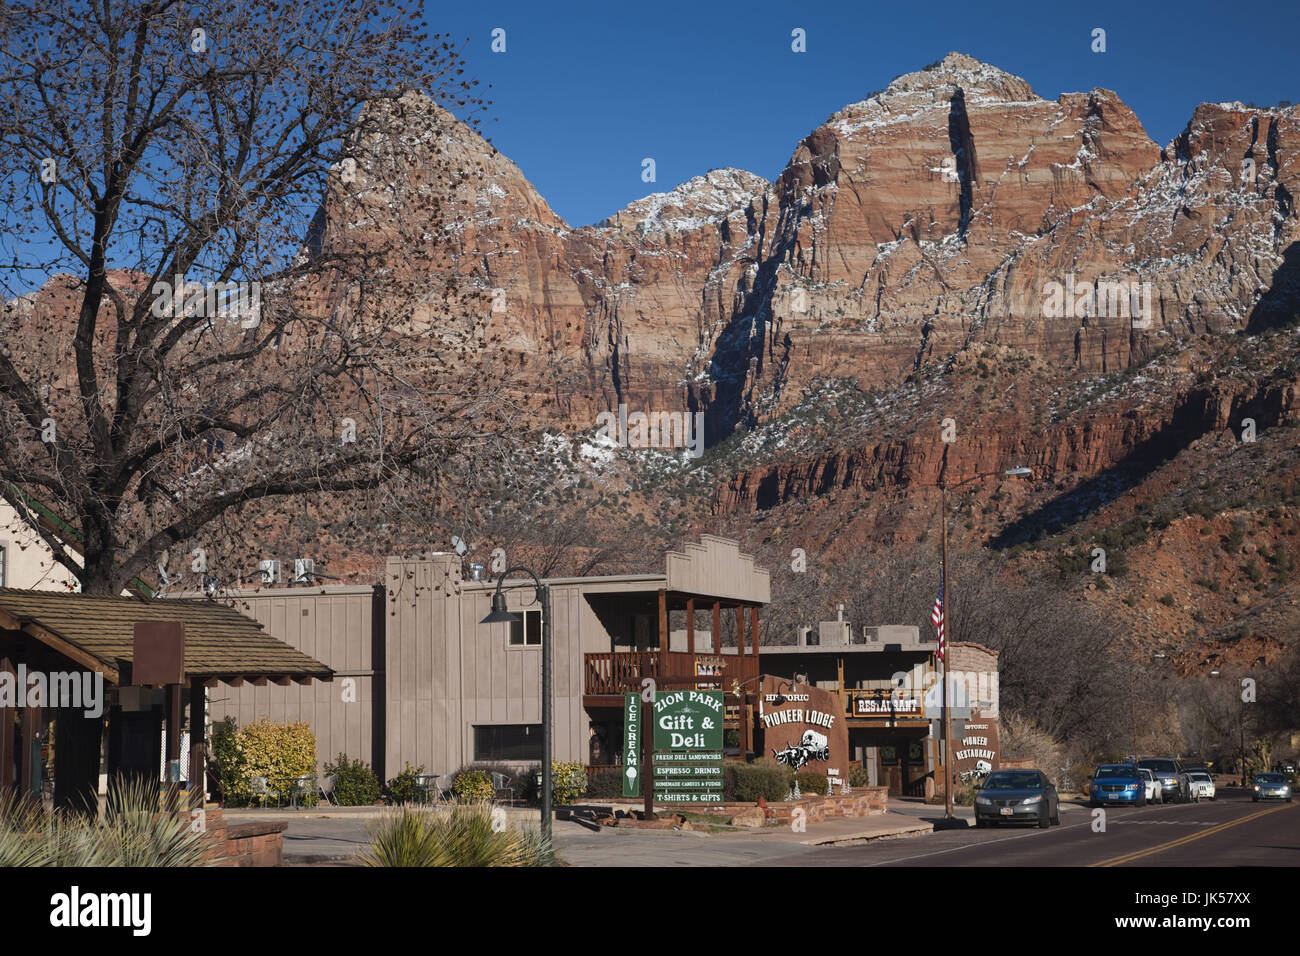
x=338, y=835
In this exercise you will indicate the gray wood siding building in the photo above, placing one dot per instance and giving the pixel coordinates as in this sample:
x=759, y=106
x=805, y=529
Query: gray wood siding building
x=428, y=675
x=334, y=624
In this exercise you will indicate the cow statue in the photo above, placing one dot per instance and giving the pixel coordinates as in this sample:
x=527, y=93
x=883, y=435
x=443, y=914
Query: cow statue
x=794, y=757
x=982, y=769
x=815, y=746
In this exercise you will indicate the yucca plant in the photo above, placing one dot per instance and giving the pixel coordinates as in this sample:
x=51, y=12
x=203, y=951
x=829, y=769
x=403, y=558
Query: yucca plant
x=137, y=830
x=462, y=835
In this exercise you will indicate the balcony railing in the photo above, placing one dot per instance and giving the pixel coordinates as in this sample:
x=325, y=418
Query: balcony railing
x=621, y=672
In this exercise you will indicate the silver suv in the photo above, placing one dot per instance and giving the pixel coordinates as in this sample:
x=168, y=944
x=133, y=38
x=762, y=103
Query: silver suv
x=1172, y=777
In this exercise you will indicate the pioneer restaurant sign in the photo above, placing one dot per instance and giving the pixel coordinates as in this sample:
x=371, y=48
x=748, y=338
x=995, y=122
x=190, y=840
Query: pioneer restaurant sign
x=687, y=761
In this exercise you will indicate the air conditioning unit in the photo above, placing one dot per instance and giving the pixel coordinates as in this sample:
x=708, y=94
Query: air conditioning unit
x=270, y=571
x=304, y=571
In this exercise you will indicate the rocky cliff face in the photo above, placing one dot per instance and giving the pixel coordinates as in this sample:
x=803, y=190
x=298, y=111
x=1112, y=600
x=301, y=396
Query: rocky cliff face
x=1073, y=296
x=938, y=213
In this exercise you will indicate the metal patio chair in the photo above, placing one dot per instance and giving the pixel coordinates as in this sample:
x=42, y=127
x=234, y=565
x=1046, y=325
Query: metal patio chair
x=300, y=787
x=325, y=789
x=426, y=786
x=501, y=782
x=260, y=787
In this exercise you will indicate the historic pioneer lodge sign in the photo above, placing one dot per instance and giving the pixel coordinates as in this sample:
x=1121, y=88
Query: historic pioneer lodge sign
x=687, y=762
x=804, y=728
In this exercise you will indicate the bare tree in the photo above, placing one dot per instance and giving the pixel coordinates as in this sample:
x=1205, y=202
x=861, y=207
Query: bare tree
x=239, y=261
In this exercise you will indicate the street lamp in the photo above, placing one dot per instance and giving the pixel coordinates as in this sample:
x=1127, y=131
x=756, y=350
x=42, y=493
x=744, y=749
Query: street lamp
x=945, y=602
x=500, y=615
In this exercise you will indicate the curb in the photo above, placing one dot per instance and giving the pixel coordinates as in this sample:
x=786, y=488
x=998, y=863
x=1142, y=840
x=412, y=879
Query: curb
x=896, y=833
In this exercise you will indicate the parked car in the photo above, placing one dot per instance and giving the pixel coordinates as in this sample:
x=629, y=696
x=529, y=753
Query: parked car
x=1270, y=786
x=1201, y=784
x=1155, y=792
x=1173, y=780
x=1017, y=796
x=1115, y=783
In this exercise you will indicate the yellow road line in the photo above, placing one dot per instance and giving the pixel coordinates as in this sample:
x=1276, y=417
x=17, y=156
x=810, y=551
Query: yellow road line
x=1138, y=854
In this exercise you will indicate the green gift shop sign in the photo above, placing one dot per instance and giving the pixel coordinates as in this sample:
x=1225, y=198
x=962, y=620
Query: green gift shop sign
x=688, y=720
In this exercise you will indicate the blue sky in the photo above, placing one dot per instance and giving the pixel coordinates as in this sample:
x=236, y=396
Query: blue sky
x=585, y=91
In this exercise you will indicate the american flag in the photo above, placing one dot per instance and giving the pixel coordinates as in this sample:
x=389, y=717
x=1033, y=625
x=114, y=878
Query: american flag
x=936, y=618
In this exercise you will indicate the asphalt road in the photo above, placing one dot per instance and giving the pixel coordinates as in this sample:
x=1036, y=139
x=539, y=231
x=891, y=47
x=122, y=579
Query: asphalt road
x=1229, y=831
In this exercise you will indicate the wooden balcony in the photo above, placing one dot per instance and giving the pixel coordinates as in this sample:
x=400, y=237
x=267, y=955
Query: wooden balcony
x=612, y=675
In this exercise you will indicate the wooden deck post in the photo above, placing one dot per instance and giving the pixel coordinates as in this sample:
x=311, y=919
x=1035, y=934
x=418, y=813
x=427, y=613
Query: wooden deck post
x=690, y=626
x=663, y=621
x=31, y=727
x=198, y=742
x=7, y=715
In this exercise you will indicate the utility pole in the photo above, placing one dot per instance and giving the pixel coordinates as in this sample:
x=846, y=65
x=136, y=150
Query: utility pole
x=947, y=649
x=948, y=630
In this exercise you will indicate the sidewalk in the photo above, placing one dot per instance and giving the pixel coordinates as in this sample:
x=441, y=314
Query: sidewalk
x=335, y=836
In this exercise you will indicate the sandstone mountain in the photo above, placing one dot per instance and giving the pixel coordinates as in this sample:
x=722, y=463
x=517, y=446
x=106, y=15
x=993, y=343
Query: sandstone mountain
x=928, y=217
x=1071, y=295
x=1074, y=296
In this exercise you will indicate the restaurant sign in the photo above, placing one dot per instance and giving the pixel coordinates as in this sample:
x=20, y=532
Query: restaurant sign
x=687, y=762
x=887, y=702
x=975, y=751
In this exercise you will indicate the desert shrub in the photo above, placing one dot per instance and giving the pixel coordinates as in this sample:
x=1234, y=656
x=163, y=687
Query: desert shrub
x=518, y=784
x=604, y=783
x=1022, y=739
x=859, y=777
x=1236, y=537
x=525, y=784
x=568, y=782
x=228, y=761
x=401, y=789
x=471, y=785
x=355, y=784
x=465, y=836
x=747, y=782
x=810, y=782
x=262, y=749
x=137, y=831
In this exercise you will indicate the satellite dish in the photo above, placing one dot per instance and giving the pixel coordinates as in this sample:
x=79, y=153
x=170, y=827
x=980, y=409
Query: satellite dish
x=460, y=546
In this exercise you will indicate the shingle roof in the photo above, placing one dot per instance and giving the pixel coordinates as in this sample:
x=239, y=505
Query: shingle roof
x=219, y=641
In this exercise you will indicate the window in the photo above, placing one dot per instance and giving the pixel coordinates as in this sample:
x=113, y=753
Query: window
x=508, y=742
x=526, y=632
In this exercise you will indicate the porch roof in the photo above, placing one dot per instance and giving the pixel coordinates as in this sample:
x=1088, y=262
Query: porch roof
x=98, y=632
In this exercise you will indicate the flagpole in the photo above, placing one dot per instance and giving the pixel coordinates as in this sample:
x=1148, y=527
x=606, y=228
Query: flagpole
x=945, y=587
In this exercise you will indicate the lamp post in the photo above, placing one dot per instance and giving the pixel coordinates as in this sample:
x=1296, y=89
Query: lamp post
x=500, y=615
x=945, y=601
